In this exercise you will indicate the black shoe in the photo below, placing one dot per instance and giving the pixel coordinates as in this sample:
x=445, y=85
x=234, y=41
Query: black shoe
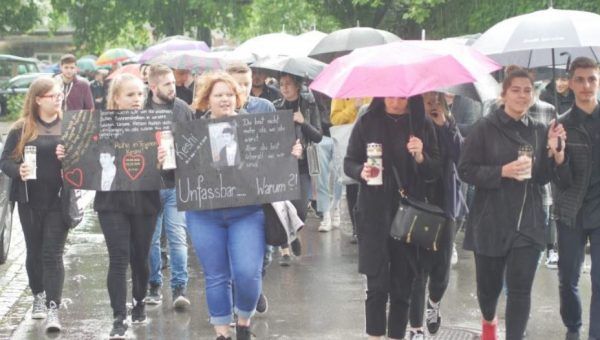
x=353, y=239
x=222, y=337
x=433, y=317
x=296, y=247
x=119, y=330
x=242, y=332
x=572, y=336
x=154, y=295
x=138, y=313
x=179, y=299
x=262, y=305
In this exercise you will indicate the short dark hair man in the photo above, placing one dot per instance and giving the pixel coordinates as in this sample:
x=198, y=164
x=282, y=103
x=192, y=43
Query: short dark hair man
x=77, y=92
x=577, y=202
x=260, y=87
x=161, y=83
x=229, y=155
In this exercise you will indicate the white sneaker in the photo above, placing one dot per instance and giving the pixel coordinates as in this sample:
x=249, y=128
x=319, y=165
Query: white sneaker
x=552, y=259
x=454, y=259
x=52, y=321
x=325, y=225
x=336, y=218
x=39, y=311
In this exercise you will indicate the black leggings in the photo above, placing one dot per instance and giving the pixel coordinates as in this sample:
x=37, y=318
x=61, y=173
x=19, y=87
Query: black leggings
x=520, y=265
x=45, y=234
x=437, y=271
x=128, y=238
x=351, y=197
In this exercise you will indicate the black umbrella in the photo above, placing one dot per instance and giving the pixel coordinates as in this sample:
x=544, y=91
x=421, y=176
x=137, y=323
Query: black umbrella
x=299, y=66
x=342, y=42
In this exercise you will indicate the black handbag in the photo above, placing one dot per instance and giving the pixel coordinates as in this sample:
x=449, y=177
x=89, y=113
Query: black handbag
x=275, y=233
x=417, y=222
x=71, y=207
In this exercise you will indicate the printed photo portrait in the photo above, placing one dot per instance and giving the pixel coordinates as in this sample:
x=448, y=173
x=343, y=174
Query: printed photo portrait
x=109, y=169
x=224, y=145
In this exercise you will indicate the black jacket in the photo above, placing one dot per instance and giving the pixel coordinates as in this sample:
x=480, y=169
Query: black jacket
x=503, y=209
x=572, y=177
x=376, y=205
x=564, y=102
x=310, y=130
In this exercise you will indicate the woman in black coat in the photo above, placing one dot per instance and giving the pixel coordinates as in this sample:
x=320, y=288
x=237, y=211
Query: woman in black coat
x=409, y=144
x=308, y=129
x=505, y=227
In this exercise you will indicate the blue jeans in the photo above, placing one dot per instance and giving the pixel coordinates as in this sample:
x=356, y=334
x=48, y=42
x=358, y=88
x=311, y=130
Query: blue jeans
x=174, y=224
x=328, y=173
x=571, y=247
x=230, y=244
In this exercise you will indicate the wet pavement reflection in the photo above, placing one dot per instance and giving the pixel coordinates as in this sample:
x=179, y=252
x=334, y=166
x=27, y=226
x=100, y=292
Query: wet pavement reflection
x=320, y=296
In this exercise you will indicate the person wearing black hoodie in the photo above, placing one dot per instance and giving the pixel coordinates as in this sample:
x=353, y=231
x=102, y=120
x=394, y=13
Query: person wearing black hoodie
x=564, y=94
x=409, y=145
x=446, y=194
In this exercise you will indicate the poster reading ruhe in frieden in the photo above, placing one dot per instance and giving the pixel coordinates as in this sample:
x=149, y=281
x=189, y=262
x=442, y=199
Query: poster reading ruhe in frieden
x=236, y=161
x=113, y=150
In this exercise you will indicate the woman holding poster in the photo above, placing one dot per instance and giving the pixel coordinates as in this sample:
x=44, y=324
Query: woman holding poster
x=127, y=219
x=229, y=242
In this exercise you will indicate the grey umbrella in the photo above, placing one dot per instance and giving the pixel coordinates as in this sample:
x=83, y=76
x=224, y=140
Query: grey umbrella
x=300, y=66
x=483, y=89
x=342, y=42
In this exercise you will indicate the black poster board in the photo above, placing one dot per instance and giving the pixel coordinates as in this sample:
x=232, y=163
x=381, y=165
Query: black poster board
x=236, y=161
x=113, y=150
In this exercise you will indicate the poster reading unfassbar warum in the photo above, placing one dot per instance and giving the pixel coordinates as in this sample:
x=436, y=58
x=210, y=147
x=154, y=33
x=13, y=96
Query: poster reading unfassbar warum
x=236, y=161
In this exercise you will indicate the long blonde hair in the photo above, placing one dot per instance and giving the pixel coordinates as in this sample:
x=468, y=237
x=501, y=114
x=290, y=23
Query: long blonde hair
x=115, y=88
x=31, y=112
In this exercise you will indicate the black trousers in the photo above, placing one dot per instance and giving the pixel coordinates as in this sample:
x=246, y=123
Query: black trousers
x=128, y=238
x=351, y=197
x=394, y=283
x=519, y=267
x=436, y=271
x=45, y=234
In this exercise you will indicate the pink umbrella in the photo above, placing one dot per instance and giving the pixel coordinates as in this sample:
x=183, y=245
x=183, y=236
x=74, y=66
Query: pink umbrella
x=402, y=69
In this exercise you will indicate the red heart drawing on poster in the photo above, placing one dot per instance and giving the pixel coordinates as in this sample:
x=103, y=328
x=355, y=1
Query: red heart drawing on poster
x=74, y=177
x=133, y=164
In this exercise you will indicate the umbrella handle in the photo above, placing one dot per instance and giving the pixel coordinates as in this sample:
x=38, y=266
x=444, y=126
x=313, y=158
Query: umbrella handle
x=559, y=146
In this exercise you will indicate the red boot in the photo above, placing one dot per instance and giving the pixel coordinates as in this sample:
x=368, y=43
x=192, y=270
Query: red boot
x=489, y=330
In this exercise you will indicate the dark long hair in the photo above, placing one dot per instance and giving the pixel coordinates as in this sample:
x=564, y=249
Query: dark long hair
x=416, y=110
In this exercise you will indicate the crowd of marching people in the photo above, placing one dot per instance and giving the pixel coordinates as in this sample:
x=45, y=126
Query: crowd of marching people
x=513, y=180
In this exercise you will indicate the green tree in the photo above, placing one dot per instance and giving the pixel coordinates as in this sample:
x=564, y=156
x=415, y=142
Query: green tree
x=103, y=24
x=292, y=16
x=19, y=16
x=460, y=17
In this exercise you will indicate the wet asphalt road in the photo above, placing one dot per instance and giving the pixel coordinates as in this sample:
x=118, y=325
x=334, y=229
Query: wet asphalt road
x=319, y=297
